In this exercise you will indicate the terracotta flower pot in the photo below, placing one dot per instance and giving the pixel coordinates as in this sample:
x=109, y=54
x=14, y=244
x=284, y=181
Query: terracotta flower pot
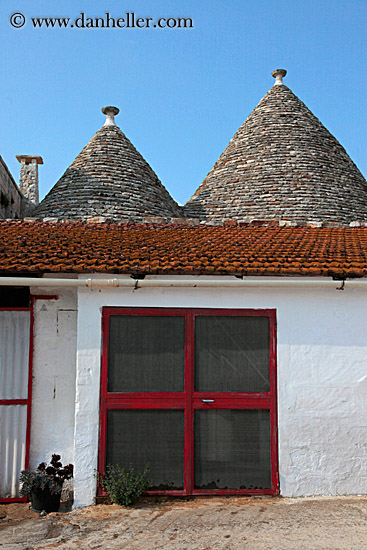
x=43, y=499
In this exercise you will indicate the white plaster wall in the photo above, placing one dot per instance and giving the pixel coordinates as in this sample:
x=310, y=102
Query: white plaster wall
x=54, y=367
x=322, y=379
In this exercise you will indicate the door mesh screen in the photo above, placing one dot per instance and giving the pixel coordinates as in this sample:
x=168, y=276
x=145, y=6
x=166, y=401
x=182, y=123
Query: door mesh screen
x=232, y=354
x=148, y=436
x=232, y=449
x=146, y=354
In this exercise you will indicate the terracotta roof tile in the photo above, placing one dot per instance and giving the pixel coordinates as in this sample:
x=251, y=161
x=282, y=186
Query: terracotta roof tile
x=174, y=249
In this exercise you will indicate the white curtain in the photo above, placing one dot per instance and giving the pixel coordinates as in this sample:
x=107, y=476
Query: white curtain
x=14, y=361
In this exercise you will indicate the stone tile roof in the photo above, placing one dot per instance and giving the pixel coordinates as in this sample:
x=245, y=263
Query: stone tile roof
x=282, y=163
x=108, y=178
x=181, y=250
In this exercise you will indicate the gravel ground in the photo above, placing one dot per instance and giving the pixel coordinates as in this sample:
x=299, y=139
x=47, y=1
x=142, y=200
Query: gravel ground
x=198, y=524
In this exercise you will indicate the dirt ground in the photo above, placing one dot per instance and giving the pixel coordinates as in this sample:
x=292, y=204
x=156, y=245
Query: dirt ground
x=198, y=524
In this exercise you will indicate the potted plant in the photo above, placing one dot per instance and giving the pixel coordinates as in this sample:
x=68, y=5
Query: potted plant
x=43, y=487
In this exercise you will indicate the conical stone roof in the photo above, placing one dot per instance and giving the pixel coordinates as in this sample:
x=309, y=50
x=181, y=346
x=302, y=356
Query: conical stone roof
x=109, y=178
x=282, y=164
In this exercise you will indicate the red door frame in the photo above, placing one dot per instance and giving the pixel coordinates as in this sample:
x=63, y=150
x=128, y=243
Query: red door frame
x=189, y=400
x=28, y=400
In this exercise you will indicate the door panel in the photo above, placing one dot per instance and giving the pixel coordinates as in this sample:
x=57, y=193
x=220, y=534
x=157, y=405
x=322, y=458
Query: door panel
x=146, y=354
x=152, y=437
x=232, y=449
x=231, y=354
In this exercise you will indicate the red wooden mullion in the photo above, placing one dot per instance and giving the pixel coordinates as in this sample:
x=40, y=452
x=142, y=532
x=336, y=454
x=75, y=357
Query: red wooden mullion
x=189, y=413
x=146, y=312
x=11, y=500
x=232, y=404
x=273, y=408
x=221, y=401
x=147, y=404
x=234, y=312
x=143, y=396
x=13, y=401
x=245, y=396
x=231, y=492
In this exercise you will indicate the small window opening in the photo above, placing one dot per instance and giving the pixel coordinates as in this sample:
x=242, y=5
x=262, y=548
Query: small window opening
x=14, y=296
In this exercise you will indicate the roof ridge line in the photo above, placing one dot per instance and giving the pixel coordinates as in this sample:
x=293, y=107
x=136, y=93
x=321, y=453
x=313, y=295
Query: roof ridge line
x=158, y=222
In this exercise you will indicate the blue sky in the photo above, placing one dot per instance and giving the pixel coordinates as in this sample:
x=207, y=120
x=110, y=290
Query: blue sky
x=182, y=93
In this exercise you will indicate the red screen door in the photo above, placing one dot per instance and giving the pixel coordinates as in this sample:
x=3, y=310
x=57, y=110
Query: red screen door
x=192, y=393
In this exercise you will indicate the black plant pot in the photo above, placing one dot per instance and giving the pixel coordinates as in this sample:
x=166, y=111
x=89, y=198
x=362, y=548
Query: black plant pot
x=43, y=499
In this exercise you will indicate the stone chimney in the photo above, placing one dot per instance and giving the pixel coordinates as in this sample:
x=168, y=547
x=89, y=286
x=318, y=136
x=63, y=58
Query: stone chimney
x=28, y=181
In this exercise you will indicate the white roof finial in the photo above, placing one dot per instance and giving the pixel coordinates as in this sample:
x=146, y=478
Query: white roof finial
x=278, y=75
x=110, y=113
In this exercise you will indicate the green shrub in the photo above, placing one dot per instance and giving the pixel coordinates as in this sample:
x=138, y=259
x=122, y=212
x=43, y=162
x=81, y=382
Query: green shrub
x=124, y=486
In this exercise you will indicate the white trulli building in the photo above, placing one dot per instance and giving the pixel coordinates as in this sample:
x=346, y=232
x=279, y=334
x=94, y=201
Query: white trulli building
x=224, y=342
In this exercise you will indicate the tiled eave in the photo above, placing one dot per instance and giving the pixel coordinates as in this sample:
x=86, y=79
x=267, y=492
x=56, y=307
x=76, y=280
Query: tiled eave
x=37, y=248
